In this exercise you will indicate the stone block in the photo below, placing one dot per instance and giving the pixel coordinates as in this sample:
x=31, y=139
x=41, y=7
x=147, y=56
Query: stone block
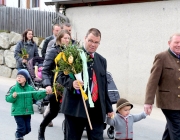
x=5, y=71
x=1, y=57
x=14, y=73
x=4, y=41
x=9, y=59
x=14, y=38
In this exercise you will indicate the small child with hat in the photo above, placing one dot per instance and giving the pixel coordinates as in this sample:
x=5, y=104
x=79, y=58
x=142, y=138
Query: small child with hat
x=22, y=104
x=123, y=120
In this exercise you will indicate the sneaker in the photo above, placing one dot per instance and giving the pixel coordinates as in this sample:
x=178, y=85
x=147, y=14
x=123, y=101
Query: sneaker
x=19, y=138
x=50, y=124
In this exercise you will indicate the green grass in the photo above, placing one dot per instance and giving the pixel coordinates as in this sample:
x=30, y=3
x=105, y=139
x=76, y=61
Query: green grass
x=4, y=31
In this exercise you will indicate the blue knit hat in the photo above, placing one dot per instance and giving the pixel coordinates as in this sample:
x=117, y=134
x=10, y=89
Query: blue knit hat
x=24, y=72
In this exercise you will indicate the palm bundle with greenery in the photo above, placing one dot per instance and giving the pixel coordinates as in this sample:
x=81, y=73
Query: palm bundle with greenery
x=70, y=60
x=24, y=54
x=59, y=88
x=73, y=60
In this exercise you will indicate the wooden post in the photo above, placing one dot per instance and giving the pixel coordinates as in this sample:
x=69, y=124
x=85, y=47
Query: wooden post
x=27, y=4
x=87, y=114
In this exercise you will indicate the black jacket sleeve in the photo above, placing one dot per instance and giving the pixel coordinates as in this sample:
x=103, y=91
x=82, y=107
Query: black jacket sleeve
x=17, y=52
x=46, y=41
x=48, y=67
x=107, y=99
x=65, y=81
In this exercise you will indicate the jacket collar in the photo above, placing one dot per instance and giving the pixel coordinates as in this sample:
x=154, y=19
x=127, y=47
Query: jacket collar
x=88, y=52
x=123, y=116
x=173, y=54
x=28, y=43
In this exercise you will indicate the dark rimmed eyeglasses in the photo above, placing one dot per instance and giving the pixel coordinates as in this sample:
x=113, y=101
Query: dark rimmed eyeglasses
x=20, y=76
x=92, y=42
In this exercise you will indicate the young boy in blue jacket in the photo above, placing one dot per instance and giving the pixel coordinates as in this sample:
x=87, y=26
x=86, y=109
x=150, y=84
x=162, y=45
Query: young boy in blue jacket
x=22, y=104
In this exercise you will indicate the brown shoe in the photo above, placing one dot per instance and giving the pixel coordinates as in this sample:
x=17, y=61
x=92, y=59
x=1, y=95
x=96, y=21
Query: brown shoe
x=50, y=124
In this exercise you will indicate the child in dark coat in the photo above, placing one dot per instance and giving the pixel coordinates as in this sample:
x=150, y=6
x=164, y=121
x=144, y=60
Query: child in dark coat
x=123, y=120
x=22, y=104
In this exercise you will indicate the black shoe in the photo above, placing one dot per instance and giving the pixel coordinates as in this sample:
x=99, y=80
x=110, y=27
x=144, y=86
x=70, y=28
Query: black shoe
x=41, y=134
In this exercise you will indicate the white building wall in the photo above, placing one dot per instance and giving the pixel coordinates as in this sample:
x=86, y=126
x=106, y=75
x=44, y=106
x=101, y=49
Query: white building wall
x=23, y=4
x=132, y=34
x=43, y=7
x=12, y=3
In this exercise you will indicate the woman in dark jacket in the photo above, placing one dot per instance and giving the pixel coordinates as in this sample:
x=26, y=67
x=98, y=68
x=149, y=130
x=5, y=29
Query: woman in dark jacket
x=62, y=40
x=27, y=43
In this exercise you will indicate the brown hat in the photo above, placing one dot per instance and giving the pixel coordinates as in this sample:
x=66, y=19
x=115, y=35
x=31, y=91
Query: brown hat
x=122, y=103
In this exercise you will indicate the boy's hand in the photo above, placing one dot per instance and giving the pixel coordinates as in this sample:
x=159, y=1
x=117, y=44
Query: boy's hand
x=14, y=95
x=48, y=90
x=111, y=115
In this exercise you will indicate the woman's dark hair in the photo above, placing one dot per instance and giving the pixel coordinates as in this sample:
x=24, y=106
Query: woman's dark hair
x=24, y=35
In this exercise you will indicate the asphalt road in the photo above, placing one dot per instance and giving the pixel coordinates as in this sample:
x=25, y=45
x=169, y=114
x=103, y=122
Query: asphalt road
x=150, y=128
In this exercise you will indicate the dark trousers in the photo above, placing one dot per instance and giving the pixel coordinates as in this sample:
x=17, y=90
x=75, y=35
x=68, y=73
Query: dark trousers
x=23, y=125
x=53, y=112
x=75, y=127
x=172, y=129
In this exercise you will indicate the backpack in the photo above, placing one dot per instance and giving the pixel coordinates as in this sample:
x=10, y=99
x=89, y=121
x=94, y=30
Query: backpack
x=112, y=89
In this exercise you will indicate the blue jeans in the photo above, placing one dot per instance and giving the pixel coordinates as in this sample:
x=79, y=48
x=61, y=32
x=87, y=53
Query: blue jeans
x=23, y=125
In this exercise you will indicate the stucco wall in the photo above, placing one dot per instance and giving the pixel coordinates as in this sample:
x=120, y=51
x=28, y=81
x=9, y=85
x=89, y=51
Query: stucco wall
x=132, y=34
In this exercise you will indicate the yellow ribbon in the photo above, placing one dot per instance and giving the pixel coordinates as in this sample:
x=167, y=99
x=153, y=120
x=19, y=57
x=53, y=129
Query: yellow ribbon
x=58, y=57
x=82, y=92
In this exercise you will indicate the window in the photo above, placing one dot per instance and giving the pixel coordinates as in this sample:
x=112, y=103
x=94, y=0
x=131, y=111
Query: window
x=19, y=3
x=35, y=3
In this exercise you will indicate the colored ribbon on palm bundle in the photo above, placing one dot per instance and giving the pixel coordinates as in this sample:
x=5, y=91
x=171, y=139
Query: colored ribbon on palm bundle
x=58, y=57
x=86, y=76
x=86, y=83
x=61, y=55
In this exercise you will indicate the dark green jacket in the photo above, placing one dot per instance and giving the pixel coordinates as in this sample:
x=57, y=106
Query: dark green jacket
x=23, y=103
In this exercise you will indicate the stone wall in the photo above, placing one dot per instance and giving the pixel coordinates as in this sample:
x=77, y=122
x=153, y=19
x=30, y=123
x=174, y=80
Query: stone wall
x=8, y=43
